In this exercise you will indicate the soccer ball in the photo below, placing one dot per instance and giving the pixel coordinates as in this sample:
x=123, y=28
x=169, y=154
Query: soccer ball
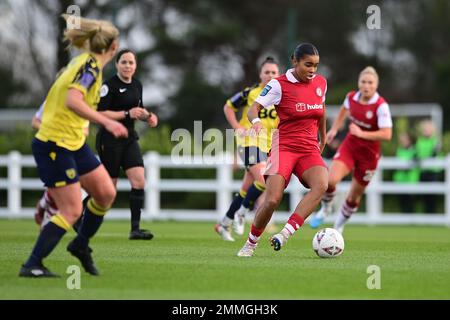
x=328, y=243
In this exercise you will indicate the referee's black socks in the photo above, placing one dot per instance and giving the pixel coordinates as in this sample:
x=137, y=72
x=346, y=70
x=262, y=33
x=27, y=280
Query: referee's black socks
x=136, y=204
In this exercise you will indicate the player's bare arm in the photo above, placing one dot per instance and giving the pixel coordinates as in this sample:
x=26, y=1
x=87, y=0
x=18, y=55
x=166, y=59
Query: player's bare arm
x=230, y=115
x=76, y=103
x=337, y=124
x=383, y=134
x=252, y=115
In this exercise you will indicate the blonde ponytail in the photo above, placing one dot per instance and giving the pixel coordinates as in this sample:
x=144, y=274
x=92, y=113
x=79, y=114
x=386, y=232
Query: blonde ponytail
x=92, y=35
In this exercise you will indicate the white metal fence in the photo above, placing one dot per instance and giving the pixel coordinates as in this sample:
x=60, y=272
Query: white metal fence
x=223, y=186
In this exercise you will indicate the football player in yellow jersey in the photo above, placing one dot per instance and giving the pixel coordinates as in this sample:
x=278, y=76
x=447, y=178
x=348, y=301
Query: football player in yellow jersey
x=64, y=160
x=46, y=207
x=252, y=150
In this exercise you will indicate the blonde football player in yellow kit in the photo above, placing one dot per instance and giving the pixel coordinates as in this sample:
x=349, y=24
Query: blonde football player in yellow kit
x=64, y=160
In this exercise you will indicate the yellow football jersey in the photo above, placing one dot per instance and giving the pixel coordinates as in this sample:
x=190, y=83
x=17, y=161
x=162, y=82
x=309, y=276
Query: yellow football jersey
x=60, y=124
x=269, y=118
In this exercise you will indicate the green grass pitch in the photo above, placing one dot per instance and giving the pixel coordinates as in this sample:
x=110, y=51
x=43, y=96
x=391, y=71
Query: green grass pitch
x=189, y=261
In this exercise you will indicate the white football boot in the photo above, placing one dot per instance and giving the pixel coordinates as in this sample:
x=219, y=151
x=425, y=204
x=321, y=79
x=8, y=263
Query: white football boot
x=277, y=241
x=239, y=220
x=247, y=250
x=224, y=232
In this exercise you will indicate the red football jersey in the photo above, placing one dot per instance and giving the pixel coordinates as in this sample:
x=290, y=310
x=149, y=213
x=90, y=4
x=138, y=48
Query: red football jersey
x=369, y=117
x=300, y=106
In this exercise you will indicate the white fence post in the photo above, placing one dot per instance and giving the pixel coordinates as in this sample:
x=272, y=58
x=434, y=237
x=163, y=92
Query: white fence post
x=447, y=190
x=152, y=192
x=224, y=174
x=14, y=179
x=374, y=199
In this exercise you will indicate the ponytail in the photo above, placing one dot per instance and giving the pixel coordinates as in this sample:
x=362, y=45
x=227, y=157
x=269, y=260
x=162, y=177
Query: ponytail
x=92, y=35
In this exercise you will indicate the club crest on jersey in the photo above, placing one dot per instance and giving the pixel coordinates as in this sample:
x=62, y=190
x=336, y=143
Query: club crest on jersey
x=265, y=91
x=71, y=173
x=369, y=114
x=319, y=92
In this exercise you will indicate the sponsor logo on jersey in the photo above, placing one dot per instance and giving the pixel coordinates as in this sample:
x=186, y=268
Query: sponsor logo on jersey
x=301, y=107
x=360, y=123
x=265, y=91
x=122, y=90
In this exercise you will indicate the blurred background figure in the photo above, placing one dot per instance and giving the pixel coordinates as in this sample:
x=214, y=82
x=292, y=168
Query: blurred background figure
x=253, y=151
x=406, y=151
x=428, y=146
x=358, y=155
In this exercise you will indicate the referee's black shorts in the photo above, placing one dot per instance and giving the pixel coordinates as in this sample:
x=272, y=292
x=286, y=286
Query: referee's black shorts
x=125, y=155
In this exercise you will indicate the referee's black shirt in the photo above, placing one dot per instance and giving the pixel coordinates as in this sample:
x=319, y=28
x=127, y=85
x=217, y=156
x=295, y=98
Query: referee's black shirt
x=117, y=95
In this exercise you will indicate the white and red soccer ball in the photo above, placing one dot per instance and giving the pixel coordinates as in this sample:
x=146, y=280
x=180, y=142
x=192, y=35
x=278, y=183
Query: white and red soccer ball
x=328, y=243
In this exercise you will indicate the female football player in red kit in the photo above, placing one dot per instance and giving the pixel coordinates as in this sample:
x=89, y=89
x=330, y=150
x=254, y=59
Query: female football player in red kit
x=299, y=99
x=371, y=123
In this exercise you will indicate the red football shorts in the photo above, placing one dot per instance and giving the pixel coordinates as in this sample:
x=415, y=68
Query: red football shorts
x=286, y=163
x=363, y=164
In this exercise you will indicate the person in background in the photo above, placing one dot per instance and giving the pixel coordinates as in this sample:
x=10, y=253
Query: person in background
x=406, y=151
x=252, y=150
x=358, y=155
x=121, y=100
x=428, y=146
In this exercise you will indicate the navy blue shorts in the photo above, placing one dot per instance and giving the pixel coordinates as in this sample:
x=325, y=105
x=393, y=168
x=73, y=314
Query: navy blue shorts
x=59, y=166
x=251, y=155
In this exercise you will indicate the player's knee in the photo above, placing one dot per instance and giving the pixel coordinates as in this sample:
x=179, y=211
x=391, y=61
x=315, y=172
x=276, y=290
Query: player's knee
x=106, y=196
x=322, y=187
x=110, y=195
x=354, y=200
x=72, y=214
x=272, y=201
x=332, y=182
x=318, y=189
x=138, y=184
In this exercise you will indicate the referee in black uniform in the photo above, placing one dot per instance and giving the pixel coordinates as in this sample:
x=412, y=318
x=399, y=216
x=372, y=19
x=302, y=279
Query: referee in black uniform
x=121, y=99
